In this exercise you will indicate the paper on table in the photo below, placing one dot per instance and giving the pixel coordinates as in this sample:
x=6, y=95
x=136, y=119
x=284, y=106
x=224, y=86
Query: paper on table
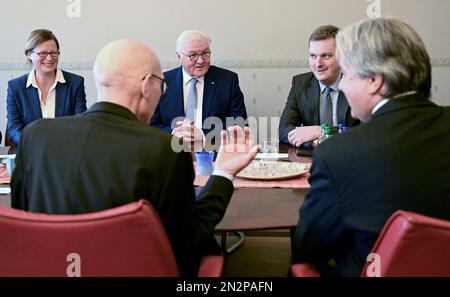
x=272, y=156
x=5, y=190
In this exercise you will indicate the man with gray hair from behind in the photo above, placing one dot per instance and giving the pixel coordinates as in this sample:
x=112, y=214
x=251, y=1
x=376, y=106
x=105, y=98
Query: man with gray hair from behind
x=398, y=159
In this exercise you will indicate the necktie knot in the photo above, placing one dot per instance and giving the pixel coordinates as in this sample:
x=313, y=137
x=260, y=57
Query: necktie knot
x=193, y=82
x=327, y=91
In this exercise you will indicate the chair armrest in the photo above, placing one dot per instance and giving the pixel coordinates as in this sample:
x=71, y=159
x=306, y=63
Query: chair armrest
x=304, y=270
x=211, y=266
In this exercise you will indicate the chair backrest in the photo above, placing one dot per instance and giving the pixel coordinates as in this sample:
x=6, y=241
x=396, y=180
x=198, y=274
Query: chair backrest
x=413, y=245
x=124, y=241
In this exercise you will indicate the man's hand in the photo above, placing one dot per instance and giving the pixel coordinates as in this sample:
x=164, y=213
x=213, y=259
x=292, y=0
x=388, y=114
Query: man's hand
x=187, y=131
x=236, y=150
x=300, y=135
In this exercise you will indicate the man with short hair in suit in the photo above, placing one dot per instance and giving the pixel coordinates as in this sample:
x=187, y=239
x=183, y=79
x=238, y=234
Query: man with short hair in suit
x=398, y=159
x=306, y=107
x=215, y=92
x=109, y=156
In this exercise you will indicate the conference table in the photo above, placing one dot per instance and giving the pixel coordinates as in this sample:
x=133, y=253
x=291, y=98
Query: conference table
x=271, y=207
x=264, y=205
x=258, y=207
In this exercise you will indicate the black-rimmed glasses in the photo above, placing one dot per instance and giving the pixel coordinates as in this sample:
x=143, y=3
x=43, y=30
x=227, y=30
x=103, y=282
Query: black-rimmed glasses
x=164, y=84
x=45, y=54
x=194, y=57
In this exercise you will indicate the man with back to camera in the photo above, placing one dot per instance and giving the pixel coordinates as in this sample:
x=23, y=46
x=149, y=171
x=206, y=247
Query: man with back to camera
x=315, y=98
x=198, y=91
x=398, y=159
x=109, y=156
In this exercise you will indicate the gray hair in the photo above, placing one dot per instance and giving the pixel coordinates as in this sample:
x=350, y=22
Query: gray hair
x=389, y=47
x=191, y=35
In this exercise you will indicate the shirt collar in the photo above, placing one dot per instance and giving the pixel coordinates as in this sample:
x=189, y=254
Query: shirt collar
x=187, y=78
x=379, y=105
x=334, y=86
x=112, y=108
x=31, y=81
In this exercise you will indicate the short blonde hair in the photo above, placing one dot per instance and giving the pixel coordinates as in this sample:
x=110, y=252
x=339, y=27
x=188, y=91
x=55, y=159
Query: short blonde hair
x=38, y=37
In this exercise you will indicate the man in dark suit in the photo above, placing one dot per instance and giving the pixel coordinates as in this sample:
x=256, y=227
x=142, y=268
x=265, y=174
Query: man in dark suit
x=200, y=97
x=109, y=156
x=314, y=97
x=397, y=159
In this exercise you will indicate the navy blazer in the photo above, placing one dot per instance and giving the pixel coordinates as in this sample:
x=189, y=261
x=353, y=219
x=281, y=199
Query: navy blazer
x=303, y=103
x=222, y=98
x=397, y=160
x=24, y=107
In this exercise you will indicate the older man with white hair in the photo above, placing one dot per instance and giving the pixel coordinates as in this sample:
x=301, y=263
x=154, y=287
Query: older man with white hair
x=398, y=159
x=201, y=97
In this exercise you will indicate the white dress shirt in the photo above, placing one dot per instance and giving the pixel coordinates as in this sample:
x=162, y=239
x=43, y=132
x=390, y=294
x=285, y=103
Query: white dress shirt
x=47, y=108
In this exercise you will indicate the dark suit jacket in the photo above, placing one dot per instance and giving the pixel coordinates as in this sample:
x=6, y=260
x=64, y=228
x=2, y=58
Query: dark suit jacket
x=398, y=160
x=222, y=98
x=106, y=158
x=24, y=107
x=303, y=103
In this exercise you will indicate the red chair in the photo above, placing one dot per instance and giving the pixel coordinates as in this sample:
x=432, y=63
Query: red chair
x=409, y=245
x=124, y=241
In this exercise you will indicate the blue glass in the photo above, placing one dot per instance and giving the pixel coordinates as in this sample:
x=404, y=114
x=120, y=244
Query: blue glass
x=204, y=162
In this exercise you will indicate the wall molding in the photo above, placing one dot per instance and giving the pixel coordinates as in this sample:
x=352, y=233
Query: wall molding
x=229, y=64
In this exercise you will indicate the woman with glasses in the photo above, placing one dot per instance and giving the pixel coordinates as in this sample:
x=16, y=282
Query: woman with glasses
x=45, y=92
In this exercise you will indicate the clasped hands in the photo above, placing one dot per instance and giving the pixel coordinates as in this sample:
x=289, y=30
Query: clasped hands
x=236, y=150
x=187, y=131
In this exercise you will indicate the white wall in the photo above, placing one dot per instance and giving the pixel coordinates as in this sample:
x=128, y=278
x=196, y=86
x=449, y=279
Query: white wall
x=265, y=41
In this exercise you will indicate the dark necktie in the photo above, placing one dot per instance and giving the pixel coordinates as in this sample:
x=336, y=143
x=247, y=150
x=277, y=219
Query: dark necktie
x=326, y=107
x=191, y=104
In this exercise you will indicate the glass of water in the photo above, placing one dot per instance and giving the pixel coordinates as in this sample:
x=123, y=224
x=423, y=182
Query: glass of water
x=270, y=148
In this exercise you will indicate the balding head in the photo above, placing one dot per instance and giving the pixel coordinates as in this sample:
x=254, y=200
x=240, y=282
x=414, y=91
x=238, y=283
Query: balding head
x=121, y=75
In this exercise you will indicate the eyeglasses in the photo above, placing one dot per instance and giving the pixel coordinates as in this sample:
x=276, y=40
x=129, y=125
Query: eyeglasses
x=45, y=54
x=194, y=57
x=164, y=84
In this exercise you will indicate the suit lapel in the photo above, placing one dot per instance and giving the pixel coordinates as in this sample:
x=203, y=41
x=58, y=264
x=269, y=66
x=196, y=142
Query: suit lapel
x=342, y=108
x=208, y=93
x=314, y=99
x=61, y=90
x=178, y=93
x=33, y=97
